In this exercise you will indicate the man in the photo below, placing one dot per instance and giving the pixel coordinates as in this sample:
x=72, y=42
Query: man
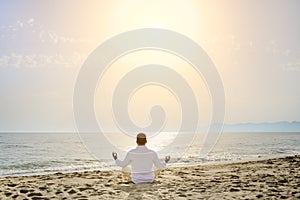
x=141, y=160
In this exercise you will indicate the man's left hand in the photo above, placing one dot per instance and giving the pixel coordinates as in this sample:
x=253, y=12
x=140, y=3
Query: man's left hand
x=115, y=155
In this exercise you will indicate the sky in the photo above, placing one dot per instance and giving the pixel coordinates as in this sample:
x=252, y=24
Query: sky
x=254, y=45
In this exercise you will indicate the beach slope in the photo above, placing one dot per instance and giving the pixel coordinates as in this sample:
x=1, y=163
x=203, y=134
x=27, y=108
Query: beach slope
x=277, y=178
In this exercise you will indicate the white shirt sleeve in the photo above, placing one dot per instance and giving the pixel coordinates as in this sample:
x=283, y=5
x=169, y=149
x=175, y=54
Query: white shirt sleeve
x=125, y=162
x=158, y=164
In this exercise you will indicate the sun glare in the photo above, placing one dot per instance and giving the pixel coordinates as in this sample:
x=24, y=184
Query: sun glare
x=157, y=14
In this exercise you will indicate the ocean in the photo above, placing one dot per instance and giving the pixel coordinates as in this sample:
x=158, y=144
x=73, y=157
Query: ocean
x=23, y=154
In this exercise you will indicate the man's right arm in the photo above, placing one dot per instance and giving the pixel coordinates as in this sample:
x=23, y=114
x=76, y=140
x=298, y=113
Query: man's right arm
x=157, y=162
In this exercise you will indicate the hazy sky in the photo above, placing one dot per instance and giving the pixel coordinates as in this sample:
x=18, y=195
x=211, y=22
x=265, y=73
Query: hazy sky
x=254, y=44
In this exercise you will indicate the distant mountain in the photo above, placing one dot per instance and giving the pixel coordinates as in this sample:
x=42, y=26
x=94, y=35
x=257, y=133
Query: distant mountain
x=282, y=126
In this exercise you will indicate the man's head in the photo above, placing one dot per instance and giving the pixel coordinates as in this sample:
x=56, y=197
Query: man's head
x=141, y=139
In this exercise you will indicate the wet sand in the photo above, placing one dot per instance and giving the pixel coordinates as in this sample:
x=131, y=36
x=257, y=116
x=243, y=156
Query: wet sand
x=277, y=178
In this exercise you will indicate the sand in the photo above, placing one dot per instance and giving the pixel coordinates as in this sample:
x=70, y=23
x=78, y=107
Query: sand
x=277, y=178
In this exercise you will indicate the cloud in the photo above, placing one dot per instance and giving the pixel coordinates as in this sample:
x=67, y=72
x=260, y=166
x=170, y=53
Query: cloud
x=30, y=21
x=57, y=38
x=20, y=24
x=36, y=32
x=292, y=67
x=26, y=43
x=40, y=60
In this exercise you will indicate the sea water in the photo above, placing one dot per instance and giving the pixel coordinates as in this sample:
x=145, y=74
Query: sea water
x=42, y=153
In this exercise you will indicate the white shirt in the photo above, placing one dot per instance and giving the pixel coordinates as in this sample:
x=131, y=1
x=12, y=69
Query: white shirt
x=142, y=161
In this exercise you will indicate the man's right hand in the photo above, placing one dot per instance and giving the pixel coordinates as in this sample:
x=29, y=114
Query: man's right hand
x=114, y=155
x=167, y=159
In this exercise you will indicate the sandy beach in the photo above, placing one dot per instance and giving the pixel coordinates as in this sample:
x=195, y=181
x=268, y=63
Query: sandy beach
x=277, y=178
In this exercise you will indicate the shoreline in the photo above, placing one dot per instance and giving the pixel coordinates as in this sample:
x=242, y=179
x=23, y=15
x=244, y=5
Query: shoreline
x=261, y=178
x=170, y=165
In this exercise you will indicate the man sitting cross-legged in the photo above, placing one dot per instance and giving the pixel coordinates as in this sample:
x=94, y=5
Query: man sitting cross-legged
x=142, y=161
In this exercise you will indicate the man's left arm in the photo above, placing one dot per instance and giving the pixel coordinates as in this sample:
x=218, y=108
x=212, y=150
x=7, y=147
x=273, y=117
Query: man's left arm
x=121, y=163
